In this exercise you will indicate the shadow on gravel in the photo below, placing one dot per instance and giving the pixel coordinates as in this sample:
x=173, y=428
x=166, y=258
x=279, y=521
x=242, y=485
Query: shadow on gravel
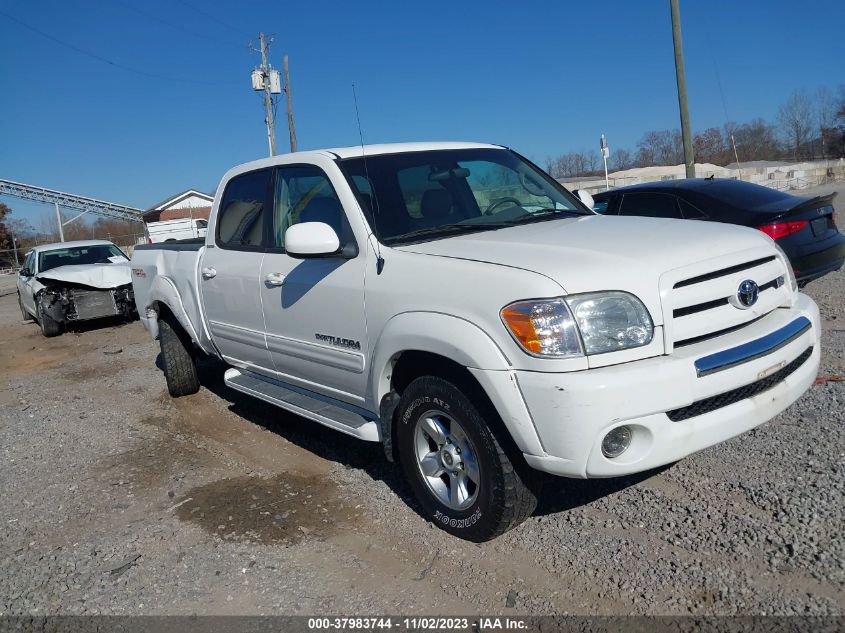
x=559, y=494
x=315, y=438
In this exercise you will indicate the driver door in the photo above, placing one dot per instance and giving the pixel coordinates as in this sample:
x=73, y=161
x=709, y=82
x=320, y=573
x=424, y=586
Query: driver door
x=314, y=308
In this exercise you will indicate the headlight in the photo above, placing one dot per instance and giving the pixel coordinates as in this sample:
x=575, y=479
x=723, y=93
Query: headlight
x=793, y=283
x=610, y=321
x=543, y=328
x=607, y=321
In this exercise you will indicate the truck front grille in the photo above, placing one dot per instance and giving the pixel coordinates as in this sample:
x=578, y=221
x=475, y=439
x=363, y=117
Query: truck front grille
x=700, y=305
x=735, y=395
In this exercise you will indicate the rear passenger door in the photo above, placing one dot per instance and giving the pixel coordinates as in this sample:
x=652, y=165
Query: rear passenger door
x=230, y=268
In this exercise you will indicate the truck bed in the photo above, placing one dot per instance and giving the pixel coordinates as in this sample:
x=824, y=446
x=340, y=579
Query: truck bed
x=168, y=272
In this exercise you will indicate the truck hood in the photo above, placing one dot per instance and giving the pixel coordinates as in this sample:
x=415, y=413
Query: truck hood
x=598, y=252
x=93, y=275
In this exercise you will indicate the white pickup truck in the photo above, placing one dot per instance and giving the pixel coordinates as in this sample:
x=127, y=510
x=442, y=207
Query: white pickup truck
x=455, y=303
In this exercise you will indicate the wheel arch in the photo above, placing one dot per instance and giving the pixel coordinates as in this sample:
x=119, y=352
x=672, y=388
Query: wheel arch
x=164, y=298
x=415, y=344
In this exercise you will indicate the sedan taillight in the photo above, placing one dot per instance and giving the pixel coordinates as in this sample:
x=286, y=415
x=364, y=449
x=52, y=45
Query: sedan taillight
x=777, y=230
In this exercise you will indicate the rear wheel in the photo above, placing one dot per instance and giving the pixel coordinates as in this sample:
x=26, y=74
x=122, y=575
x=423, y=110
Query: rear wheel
x=180, y=367
x=460, y=473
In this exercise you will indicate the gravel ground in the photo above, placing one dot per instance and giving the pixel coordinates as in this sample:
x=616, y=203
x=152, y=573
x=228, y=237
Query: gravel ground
x=118, y=500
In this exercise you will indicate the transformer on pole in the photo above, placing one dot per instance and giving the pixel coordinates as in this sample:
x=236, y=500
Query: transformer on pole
x=268, y=80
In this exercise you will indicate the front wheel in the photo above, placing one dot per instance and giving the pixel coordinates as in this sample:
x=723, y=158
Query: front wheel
x=49, y=326
x=461, y=475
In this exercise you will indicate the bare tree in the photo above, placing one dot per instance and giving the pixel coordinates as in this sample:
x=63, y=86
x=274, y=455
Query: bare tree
x=660, y=147
x=710, y=146
x=755, y=140
x=795, y=118
x=621, y=159
x=825, y=113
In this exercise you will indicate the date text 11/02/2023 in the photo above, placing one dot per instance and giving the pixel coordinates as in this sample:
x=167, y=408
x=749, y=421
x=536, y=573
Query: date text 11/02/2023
x=418, y=623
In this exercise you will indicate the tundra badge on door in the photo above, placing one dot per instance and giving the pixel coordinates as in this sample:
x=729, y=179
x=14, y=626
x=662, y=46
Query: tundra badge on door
x=338, y=342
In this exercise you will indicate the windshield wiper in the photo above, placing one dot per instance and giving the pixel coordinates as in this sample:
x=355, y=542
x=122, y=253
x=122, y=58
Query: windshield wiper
x=446, y=229
x=541, y=215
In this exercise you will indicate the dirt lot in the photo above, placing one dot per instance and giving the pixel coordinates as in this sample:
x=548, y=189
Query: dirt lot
x=118, y=500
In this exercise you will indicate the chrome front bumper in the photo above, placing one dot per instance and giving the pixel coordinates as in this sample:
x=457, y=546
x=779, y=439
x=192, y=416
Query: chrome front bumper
x=752, y=350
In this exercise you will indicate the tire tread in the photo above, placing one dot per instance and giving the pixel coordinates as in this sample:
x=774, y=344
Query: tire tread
x=180, y=368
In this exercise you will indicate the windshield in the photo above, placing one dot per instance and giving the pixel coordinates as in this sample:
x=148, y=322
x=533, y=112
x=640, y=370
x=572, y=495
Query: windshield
x=414, y=196
x=75, y=255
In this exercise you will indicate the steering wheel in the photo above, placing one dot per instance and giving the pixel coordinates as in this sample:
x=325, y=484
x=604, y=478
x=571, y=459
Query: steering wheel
x=494, y=205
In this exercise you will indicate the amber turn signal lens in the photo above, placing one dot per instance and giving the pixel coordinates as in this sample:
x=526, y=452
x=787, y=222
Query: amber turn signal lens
x=521, y=325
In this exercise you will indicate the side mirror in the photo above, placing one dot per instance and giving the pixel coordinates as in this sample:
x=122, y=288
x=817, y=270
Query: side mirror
x=24, y=272
x=311, y=239
x=585, y=197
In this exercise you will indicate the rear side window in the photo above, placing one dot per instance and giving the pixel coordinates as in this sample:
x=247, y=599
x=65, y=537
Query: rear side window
x=240, y=219
x=651, y=205
x=690, y=211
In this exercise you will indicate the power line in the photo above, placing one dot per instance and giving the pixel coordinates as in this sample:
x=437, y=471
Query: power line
x=214, y=19
x=160, y=20
x=105, y=60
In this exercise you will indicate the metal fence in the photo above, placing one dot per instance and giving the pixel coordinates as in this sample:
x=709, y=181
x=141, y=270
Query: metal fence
x=10, y=261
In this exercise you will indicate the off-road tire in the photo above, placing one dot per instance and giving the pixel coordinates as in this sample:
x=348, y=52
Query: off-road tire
x=49, y=326
x=180, y=367
x=508, y=488
x=24, y=314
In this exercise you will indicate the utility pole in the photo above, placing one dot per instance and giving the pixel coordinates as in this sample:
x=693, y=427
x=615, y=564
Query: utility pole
x=268, y=100
x=291, y=129
x=680, y=76
x=15, y=247
x=59, y=222
x=605, y=152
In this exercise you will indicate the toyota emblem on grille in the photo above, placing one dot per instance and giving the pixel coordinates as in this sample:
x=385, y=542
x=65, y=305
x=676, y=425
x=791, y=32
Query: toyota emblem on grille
x=747, y=293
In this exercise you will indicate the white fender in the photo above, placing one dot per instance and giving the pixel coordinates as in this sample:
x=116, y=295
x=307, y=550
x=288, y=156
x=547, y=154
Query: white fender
x=164, y=291
x=466, y=344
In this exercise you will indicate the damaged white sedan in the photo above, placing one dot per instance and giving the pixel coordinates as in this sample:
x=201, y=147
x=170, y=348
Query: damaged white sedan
x=62, y=284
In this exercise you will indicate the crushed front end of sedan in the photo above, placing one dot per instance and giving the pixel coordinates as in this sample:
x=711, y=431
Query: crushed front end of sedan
x=76, y=282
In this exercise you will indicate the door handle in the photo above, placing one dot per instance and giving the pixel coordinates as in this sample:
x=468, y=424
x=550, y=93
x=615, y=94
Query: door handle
x=208, y=273
x=274, y=279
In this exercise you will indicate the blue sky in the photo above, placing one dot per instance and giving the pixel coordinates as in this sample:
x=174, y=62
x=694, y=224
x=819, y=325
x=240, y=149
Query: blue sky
x=545, y=78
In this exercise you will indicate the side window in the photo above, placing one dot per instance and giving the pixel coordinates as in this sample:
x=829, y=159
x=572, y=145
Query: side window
x=652, y=205
x=29, y=264
x=690, y=211
x=601, y=206
x=305, y=194
x=240, y=220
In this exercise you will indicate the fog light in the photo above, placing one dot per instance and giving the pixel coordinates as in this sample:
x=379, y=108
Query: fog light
x=616, y=442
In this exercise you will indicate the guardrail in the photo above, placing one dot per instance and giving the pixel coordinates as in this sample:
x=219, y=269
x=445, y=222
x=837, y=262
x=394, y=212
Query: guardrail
x=9, y=271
